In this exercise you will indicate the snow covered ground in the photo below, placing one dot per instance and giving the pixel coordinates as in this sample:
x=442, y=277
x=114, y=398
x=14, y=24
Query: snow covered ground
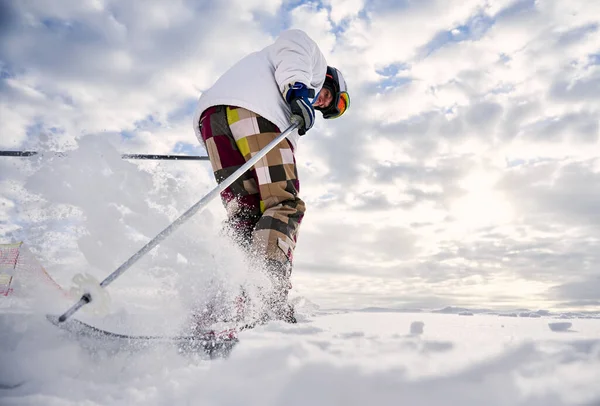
x=330, y=358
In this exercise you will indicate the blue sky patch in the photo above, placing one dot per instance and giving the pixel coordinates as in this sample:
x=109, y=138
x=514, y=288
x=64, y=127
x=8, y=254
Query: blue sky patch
x=503, y=88
x=55, y=24
x=6, y=73
x=511, y=163
x=383, y=6
x=185, y=148
x=472, y=30
x=147, y=123
x=56, y=130
x=35, y=129
x=520, y=7
x=186, y=109
x=393, y=82
x=392, y=69
x=128, y=135
x=577, y=34
x=392, y=79
x=504, y=58
x=74, y=31
x=476, y=27
x=283, y=18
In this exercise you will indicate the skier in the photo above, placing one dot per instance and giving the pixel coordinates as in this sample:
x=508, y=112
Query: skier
x=245, y=109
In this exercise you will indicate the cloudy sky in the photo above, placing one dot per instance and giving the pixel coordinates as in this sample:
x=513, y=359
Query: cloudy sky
x=466, y=172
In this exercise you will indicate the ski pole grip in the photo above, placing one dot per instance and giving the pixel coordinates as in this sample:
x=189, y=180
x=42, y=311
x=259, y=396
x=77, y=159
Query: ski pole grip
x=85, y=299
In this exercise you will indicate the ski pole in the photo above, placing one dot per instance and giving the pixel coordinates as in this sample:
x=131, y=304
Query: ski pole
x=166, y=157
x=18, y=153
x=87, y=297
x=123, y=156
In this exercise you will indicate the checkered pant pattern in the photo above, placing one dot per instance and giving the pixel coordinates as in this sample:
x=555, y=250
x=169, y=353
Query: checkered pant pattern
x=263, y=207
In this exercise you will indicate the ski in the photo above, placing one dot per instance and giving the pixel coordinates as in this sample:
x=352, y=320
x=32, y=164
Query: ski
x=214, y=343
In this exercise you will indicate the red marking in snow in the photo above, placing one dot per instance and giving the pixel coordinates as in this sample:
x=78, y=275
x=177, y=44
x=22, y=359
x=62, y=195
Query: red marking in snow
x=9, y=256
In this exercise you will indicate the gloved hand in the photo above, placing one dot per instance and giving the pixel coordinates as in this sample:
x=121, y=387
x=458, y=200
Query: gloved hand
x=297, y=97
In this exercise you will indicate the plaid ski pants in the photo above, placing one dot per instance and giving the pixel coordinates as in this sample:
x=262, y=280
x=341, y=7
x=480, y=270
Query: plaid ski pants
x=263, y=207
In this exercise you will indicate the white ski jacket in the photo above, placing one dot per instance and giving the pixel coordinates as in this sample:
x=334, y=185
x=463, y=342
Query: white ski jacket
x=256, y=82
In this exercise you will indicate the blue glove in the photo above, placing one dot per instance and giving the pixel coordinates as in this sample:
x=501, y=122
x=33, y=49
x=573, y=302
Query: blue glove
x=297, y=97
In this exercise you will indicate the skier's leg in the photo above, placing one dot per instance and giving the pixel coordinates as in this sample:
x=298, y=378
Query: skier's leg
x=275, y=234
x=241, y=200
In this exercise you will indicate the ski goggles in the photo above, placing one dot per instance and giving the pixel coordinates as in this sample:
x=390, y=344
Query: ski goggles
x=341, y=99
x=338, y=106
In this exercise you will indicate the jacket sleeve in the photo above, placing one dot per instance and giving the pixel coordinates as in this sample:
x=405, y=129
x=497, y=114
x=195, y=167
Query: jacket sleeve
x=297, y=58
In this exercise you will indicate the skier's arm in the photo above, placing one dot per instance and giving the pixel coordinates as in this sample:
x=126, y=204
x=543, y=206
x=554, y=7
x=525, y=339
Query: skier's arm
x=297, y=58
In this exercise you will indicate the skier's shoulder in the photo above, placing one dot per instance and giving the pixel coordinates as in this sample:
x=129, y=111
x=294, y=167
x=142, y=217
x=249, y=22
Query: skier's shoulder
x=294, y=33
x=297, y=36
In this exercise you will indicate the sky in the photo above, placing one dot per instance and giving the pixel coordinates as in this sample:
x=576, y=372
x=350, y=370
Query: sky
x=466, y=171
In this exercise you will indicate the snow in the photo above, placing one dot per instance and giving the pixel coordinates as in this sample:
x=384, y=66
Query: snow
x=346, y=358
x=416, y=327
x=560, y=326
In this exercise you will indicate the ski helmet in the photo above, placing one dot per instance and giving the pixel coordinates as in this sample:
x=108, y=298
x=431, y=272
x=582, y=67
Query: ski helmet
x=335, y=83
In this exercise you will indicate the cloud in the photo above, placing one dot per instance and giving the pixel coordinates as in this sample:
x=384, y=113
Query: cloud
x=107, y=66
x=579, y=127
x=584, y=89
x=585, y=291
x=555, y=193
x=344, y=9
